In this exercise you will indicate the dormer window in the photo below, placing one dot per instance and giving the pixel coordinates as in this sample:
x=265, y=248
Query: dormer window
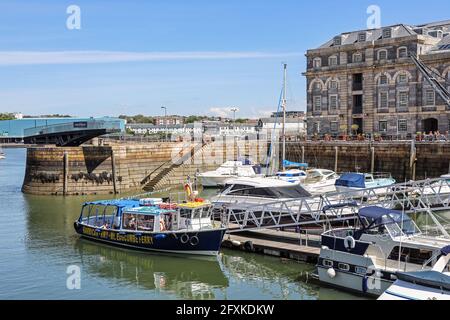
x=362, y=37
x=387, y=33
x=402, y=78
x=337, y=41
x=383, y=79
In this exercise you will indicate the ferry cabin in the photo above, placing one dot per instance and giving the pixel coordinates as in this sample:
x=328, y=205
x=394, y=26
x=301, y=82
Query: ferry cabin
x=185, y=229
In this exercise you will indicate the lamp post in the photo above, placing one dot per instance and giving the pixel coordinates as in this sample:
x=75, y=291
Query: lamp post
x=165, y=121
x=234, y=110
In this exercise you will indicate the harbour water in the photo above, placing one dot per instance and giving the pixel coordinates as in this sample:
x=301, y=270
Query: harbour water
x=38, y=245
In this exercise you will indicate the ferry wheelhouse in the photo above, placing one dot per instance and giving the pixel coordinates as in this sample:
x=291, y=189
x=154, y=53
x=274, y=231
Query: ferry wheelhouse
x=184, y=228
x=366, y=258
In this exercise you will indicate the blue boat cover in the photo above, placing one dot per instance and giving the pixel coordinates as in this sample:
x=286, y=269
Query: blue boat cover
x=351, y=180
x=445, y=250
x=426, y=278
x=291, y=164
x=382, y=216
x=121, y=203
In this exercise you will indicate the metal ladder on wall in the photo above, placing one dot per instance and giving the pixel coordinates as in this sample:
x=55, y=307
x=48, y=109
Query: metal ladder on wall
x=432, y=78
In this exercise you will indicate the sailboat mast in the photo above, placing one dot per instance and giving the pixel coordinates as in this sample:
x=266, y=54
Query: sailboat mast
x=284, y=115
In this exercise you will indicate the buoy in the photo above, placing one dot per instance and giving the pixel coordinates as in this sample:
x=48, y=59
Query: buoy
x=331, y=273
x=349, y=243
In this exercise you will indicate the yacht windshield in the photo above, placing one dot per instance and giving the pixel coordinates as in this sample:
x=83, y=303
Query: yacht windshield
x=286, y=192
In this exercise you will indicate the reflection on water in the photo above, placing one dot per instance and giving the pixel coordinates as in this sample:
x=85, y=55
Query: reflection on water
x=185, y=277
x=38, y=243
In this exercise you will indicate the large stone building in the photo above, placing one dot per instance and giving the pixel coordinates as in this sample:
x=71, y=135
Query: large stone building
x=365, y=82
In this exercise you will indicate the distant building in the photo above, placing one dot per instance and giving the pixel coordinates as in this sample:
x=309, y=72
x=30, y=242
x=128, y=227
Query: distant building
x=169, y=121
x=365, y=82
x=294, y=126
x=289, y=114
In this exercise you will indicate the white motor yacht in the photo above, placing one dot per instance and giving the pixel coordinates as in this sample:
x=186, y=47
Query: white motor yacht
x=270, y=194
x=320, y=181
x=366, y=258
x=423, y=285
x=227, y=171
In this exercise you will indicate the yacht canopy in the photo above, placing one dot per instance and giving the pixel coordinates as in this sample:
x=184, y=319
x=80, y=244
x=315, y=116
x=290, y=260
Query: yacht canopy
x=429, y=278
x=445, y=251
x=351, y=180
x=381, y=215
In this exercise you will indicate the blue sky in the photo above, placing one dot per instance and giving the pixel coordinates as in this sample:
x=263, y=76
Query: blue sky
x=194, y=57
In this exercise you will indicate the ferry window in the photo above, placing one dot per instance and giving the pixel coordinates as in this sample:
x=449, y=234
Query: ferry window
x=360, y=270
x=327, y=263
x=196, y=213
x=145, y=222
x=205, y=212
x=343, y=267
x=129, y=221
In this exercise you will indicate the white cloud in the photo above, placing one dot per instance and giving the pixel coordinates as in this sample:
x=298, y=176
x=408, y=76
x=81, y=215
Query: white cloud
x=10, y=58
x=220, y=112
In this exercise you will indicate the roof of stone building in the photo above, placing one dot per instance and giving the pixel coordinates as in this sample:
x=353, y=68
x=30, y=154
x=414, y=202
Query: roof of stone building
x=444, y=45
x=398, y=31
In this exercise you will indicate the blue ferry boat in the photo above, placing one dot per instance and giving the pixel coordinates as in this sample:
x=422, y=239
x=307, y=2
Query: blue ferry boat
x=184, y=228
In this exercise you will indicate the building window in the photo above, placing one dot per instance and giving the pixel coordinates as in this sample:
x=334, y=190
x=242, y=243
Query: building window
x=383, y=79
x=429, y=97
x=337, y=41
x=333, y=102
x=362, y=37
x=317, y=62
x=402, y=78
x=357, y=57
x=317, y=103
x=384, y=102
x=387, y=33
x=403, y=99
x=333, y=84
x=316, y=127
x=317, y=86
x=382, y=126
x=382, y=55
x=402, y=53
x=334, y=126
x=333, y=61
x=402, y=125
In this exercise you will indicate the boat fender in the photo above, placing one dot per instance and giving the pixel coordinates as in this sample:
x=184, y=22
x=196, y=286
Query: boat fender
x=349, y=243
x=184, y=238
x=364, y=284
x=248, y=245
x=331, y=273
x=194, y=241
x=160, y=236
x=235, y=243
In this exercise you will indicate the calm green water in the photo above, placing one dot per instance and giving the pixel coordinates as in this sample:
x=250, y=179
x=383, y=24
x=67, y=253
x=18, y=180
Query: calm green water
x=38, y=244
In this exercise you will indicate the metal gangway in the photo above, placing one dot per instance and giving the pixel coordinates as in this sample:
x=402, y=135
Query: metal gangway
x=433, y=78
x=425, y=196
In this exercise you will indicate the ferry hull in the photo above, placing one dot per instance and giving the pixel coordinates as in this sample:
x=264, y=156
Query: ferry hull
x=205, y=242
